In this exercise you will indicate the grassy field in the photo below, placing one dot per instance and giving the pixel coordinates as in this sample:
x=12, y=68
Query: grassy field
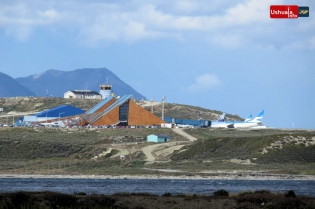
x=287, y=151
x=59, y=151
x=71, y=151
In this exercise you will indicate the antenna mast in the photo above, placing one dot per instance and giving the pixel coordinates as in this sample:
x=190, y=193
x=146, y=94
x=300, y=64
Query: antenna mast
x=85, y=90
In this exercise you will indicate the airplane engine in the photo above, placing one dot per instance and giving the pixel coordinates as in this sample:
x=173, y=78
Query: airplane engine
x=231, y=126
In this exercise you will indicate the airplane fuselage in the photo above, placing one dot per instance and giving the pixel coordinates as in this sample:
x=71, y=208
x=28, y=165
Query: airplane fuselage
x=234, y=124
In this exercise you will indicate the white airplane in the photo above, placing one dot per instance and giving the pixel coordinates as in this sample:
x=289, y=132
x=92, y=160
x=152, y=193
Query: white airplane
x=184, y=126
x=220, y=122
x=222, y=117
x=257, y=121
x=248, y=118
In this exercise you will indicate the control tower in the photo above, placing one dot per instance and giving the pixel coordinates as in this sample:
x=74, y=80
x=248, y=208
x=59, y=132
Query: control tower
x=106, y=90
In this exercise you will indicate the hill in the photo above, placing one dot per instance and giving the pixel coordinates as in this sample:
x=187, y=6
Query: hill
x=58, y=82
x=228, y=153
x=38, y=104
x=10, y=87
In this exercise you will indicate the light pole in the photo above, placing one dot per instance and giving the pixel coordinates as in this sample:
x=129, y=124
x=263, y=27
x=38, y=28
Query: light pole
x=59, y=116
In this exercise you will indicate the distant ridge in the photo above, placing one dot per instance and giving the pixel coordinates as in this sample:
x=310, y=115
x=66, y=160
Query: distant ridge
x=58, y=82
x=11, y=88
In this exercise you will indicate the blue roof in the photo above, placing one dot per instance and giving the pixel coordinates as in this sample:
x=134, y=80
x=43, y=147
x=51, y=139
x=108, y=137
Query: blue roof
x=62, y=111
x=118, y=102
x=99, y=105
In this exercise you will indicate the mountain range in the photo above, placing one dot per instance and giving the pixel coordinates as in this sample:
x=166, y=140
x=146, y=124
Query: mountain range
x=10, y=87
x=55, y=83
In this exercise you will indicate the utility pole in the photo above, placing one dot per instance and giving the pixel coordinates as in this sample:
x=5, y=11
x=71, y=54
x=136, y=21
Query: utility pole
x=152, y=105
x=163, y=107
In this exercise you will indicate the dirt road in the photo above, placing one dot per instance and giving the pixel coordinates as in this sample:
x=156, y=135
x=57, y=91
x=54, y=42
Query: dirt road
x=163, y=149
x=148, y=150
x=184, y=134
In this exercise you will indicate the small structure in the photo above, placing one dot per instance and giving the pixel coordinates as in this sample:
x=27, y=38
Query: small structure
x=158, y=138
x=106, y=90
x=122, y=158
x=82, y=94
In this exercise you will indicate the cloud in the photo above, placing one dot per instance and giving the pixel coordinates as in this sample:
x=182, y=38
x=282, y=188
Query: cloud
x=227, y=24
x=203, y=83
x=228, y=40
x=186, y=6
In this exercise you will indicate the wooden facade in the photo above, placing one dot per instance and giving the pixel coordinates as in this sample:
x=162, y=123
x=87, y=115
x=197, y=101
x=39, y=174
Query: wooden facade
x=140, y=116
x=109, y=119
x=136, y=116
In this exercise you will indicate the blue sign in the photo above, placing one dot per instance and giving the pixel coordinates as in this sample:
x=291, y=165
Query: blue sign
x=304, y=11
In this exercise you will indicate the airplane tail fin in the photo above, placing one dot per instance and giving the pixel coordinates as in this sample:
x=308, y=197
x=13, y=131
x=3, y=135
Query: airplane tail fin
x=259, y=117
x=249, y=118
x=222, y=118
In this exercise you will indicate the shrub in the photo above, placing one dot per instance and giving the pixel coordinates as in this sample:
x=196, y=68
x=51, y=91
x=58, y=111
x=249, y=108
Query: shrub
x=262, y=192
x=79, y=193
x=145, y=194
x=20, y=199
x=245, y=193
x=166, y=194
x=290, y=194
x=60, y=200
x=221, y=193
x=96, y=201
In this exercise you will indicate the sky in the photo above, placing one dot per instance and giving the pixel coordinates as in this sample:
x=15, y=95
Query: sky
x=221, y=55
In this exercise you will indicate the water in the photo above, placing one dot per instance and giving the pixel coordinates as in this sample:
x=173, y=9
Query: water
x=159, y=187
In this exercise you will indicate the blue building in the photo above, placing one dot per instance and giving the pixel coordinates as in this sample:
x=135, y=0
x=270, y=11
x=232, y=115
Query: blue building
x=56, y=112
x=61, y=111
x=158, y=138
x=196, y=123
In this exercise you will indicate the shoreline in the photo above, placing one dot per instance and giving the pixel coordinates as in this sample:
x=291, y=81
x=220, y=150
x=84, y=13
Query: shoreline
x=259, y=177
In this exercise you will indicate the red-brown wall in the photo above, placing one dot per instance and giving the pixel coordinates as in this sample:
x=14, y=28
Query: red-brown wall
x=109, y=119
x=140, y=116
x=137, y=116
